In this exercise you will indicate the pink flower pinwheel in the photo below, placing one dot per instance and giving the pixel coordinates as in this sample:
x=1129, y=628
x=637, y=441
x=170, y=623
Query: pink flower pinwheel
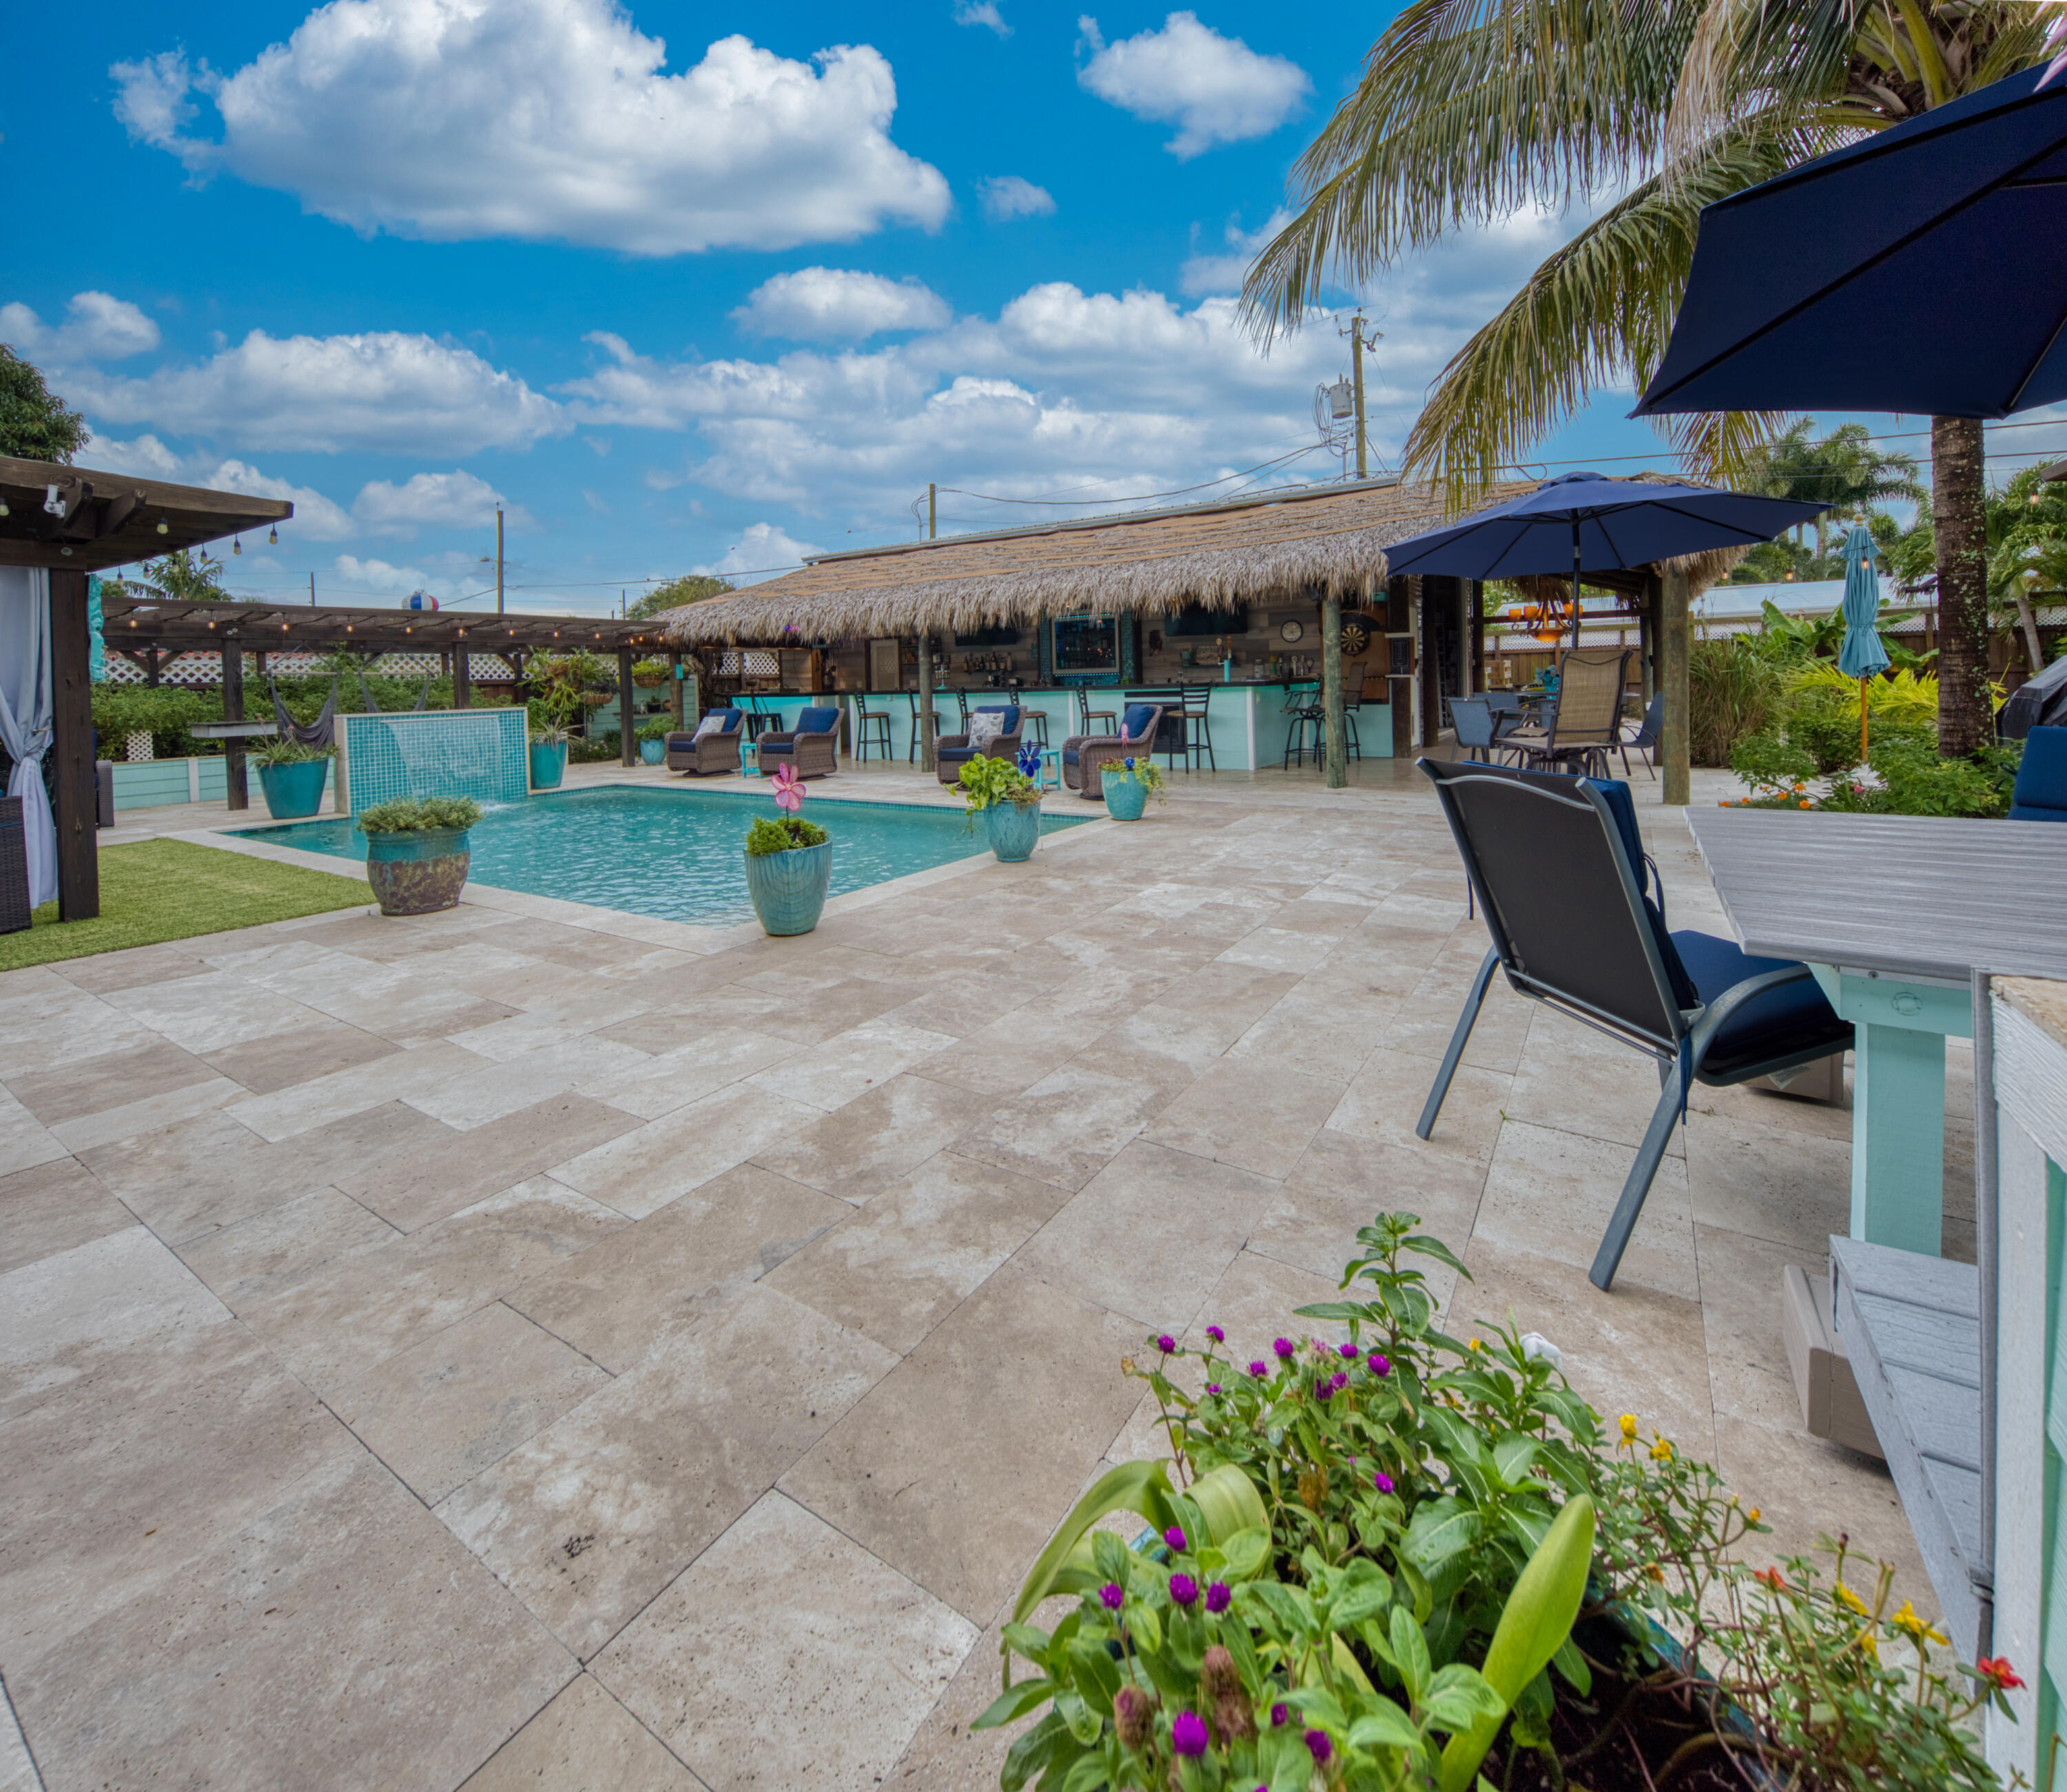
x=789, y=789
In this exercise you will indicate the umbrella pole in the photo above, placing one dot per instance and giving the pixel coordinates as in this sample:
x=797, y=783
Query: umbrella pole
x=1863, y=683
x=1575, y=584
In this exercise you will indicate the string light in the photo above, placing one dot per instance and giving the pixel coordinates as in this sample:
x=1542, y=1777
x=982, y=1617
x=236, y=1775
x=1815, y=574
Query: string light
x=272, y=538
x=237, y=546
x=164, y=528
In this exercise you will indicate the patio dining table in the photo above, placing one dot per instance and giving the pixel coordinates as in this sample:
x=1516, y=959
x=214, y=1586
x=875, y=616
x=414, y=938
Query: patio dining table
x=1895, y=914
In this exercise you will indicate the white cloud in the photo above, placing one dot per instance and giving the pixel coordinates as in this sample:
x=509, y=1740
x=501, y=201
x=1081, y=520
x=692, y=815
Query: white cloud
x=1225, y=273
x=1009, y=196
x=547, y=118
x=454, y=500
x=383, y=391
x=761, y=552
x=817, y=304
x=374, y=578
x=983, y=13
x=98, y=328
x=1214, y=89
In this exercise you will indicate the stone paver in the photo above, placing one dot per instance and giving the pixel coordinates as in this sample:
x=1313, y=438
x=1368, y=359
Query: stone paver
x=533, y=1346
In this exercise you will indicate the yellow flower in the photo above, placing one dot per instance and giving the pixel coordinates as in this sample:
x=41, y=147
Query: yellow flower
x=1629, y=1428
x=1907, y=1621
x=1851, y=1601
x=1661, y=1451
x=1655, y=1572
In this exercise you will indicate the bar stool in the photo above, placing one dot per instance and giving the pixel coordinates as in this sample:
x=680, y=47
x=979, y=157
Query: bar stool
x=754, y=722
x=1086, y=715
x=1033, y=718
x=871, y=728
x=1303, y=714
x=912, y=752
x=962, y=698
x=1198, y=725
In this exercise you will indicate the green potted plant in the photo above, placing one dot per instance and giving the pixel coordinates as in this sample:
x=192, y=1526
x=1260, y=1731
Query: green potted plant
x=1403, y=1562
x=648, y=674
x=549, y=746
x=1128, y=784
x=417, y=851
x=1008, y=797
x=293, y=777
x=789, y=863
x=653, y=740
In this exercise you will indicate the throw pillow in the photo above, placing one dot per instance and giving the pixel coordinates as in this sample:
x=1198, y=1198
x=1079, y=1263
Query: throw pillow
x=711, y=724
x=985, y=726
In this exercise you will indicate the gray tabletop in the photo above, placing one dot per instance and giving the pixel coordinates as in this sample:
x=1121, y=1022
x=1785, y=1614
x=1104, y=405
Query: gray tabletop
x=1918, y=896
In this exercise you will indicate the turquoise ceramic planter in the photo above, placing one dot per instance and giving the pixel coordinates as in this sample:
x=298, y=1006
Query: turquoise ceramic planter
x=1013, y=828
x=652, y=752
x=1125, y=797
x=293, y=792
x=549, y=765
x=789, y=888
x=418, y=872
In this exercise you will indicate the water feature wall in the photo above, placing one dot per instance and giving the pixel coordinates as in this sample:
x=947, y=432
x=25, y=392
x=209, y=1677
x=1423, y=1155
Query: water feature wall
x=475, y=753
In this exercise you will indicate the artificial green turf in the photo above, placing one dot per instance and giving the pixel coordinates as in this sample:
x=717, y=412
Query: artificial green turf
x=153, y=891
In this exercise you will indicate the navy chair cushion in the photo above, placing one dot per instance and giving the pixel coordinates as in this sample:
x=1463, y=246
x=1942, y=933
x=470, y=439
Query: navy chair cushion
x=778, y=747
x=2040, y=793
x=1010, y=711
x=732, y=719
x=1794, y=1016
x=818, y=722
x=1069, y=756
x=1621, y=806
x=1135, y=723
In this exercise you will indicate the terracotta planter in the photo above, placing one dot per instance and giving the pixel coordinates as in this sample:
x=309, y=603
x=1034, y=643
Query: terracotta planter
x=295, y=791
x=1013, y=828
x=420, y=873
x=789, y=888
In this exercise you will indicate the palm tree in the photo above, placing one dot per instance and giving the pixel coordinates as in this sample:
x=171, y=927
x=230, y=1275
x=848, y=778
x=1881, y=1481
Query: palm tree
x=1843, y=470
x=1469, y=111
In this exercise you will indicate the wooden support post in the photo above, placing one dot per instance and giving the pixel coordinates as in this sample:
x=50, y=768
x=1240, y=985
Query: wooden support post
x=1647, y=638
x=675, y=683
x=1474, y=616
x=232, y=710
x=77, y=809
x=151, y=670
x=926, y=762
x=627, y=747
x=1673, y=680
x=690, y=703
x=462, y=675
x=1335, y=746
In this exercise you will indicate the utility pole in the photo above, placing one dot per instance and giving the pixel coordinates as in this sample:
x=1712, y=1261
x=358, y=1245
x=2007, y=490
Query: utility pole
x=932, y=513
x=1356, y=377
x=1334, y=750
x=312, y=590
x=498, y=559
x=926, y=760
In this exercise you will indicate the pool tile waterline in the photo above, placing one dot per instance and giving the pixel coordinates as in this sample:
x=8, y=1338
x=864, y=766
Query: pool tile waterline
x=676, y=854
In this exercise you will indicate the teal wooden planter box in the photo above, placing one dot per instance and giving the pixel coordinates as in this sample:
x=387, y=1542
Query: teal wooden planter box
x=789, y=888
x=549, y=765
x=293, y=792
x=1125, y=797
x=419, y=872
x=1013, y=828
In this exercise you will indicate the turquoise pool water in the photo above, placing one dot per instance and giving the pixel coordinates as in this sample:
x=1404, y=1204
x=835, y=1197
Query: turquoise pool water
x=673, y=853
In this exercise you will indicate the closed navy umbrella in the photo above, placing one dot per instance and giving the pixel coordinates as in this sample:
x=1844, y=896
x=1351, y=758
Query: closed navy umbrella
x=1924, y=269
x=1587, y=519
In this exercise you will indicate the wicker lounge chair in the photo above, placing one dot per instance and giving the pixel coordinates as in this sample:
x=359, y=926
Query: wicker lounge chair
x=707, y=755
x=811, y=747
x=951, y=752
x=1082, y=754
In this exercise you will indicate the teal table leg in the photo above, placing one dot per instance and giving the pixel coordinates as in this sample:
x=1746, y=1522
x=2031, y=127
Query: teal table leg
x=1899, y=1138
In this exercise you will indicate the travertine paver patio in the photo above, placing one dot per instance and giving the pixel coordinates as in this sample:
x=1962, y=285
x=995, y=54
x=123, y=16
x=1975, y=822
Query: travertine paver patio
x=494, y=1351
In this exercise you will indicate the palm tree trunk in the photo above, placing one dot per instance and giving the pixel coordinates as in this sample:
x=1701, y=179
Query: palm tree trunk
x=1959, y=515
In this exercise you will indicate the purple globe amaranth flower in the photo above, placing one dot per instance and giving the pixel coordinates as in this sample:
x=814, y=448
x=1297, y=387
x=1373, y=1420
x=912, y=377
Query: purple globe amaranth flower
x=1284, y=1346
x=1219, y=1597
x=1217, y=1334
x=1113, y=1595
x=1183, y=1590
x=1338, y=1381
x=1174, y=1538
x=1188, y=1733
x=1319, y=1746
x=1277, y=1716
x=1259, y=1370
x=1349, y=1352
x=1166, y=1344
x=1323, y=1389
x=1378, y=1366
x=1381, y=1482
x=1212, y=1387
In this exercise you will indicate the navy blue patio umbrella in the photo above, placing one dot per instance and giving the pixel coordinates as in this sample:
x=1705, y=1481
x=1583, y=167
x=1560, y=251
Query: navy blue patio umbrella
x=1923, y=269
x=1588, y=519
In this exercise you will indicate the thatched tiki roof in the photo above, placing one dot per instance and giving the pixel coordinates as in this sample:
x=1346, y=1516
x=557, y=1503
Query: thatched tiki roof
x=1320, y=540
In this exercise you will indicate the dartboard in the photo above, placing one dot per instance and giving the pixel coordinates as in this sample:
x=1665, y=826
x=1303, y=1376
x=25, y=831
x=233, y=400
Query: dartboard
x=1355, y=639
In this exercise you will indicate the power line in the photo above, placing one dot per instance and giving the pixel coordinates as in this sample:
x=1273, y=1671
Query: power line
x=1066, y=501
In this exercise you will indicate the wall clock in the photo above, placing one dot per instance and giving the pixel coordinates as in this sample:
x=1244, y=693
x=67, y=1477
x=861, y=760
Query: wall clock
x=1292, y=632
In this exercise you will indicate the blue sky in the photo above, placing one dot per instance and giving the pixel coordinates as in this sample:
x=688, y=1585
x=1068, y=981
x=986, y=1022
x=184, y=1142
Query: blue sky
x=398, y=258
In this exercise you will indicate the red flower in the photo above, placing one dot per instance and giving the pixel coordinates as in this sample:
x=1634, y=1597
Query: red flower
x=1996, y=1671
x=1772, y=1577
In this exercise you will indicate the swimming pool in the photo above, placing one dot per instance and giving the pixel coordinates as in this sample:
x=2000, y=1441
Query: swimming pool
x=670, y=853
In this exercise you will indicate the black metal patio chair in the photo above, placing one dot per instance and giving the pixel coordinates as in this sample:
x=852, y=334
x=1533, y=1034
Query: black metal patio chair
x=1558, y=867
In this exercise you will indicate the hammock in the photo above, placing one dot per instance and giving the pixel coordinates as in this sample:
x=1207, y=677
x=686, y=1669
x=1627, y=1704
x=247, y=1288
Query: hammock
x=321, y=732
x=373, y=708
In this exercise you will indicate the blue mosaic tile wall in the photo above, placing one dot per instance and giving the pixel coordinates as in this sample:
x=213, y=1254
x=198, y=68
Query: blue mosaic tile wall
x=475, y=753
